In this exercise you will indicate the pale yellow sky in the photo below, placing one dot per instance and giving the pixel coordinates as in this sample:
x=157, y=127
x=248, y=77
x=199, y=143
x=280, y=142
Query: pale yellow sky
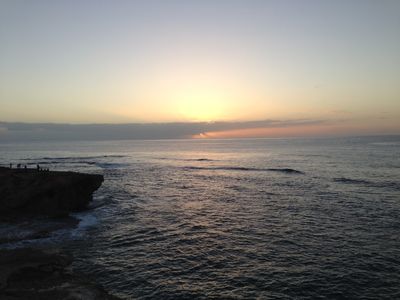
x=204, y=61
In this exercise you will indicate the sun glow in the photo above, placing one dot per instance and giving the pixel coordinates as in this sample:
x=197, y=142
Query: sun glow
x=203, y=105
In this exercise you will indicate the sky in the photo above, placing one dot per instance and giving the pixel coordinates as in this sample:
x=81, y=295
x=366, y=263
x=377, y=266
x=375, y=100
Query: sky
x=281, y=67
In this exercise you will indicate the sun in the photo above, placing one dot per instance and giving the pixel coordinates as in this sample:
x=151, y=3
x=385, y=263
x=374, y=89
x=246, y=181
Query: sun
x=201, y=105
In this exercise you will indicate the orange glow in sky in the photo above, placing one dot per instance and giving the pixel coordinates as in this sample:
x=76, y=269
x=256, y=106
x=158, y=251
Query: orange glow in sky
x=294, y=131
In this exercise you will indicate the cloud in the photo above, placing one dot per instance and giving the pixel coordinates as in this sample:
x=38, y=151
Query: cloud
x=48, y=131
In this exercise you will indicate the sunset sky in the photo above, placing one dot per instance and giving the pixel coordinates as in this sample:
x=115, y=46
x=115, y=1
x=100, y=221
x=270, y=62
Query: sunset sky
x=334, y=65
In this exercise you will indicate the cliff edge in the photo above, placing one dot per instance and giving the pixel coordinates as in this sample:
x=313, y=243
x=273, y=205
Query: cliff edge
x=51, y=193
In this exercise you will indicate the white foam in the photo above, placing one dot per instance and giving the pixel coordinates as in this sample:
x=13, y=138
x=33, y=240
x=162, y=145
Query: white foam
x=86, y=220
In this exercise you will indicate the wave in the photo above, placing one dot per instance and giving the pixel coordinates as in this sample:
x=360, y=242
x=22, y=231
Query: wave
x=363, y=182
x=282, y=170
x=86, y=220
x=286, y=170
x=351, y=181
x=73, y=157
x=73, y=160
x=104, y=165
x=111, y=165
x=199, y=159
x=54, y=162
x=187, y=159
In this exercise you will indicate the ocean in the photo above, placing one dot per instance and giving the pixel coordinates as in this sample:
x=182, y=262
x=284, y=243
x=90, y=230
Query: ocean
x=315, y=218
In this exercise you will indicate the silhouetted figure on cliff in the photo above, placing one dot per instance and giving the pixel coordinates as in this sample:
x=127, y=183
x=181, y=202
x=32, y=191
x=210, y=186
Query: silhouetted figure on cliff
x=10, y=166
x=38, y=167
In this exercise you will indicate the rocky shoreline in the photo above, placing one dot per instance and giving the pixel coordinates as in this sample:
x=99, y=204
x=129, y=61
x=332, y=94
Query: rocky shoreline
x=38, y=273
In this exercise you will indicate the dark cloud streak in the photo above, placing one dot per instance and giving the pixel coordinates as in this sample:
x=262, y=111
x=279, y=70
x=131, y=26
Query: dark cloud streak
x=49, y=131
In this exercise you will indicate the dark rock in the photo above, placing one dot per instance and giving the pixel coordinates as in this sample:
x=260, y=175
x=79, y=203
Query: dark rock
x=44, y=274
x=28, y=191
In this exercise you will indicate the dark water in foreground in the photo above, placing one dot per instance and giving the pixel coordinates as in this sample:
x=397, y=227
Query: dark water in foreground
x=236, y=219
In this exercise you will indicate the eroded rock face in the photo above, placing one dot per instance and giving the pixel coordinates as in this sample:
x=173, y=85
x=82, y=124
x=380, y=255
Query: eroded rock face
x=44, y=274
x=45, y=192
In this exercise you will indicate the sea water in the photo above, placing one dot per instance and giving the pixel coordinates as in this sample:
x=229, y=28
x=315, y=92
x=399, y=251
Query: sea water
x=234, y=219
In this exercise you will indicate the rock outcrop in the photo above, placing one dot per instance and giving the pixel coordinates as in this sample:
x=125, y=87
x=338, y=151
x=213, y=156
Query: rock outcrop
x=26, y=195
x=33, y=192
x=44, y=274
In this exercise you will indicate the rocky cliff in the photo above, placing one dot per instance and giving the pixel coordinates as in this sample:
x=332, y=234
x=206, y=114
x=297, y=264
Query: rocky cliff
x=33, y=192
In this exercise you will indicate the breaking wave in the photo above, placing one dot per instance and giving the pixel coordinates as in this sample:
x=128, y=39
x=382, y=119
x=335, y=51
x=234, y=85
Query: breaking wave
x=282, y=170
